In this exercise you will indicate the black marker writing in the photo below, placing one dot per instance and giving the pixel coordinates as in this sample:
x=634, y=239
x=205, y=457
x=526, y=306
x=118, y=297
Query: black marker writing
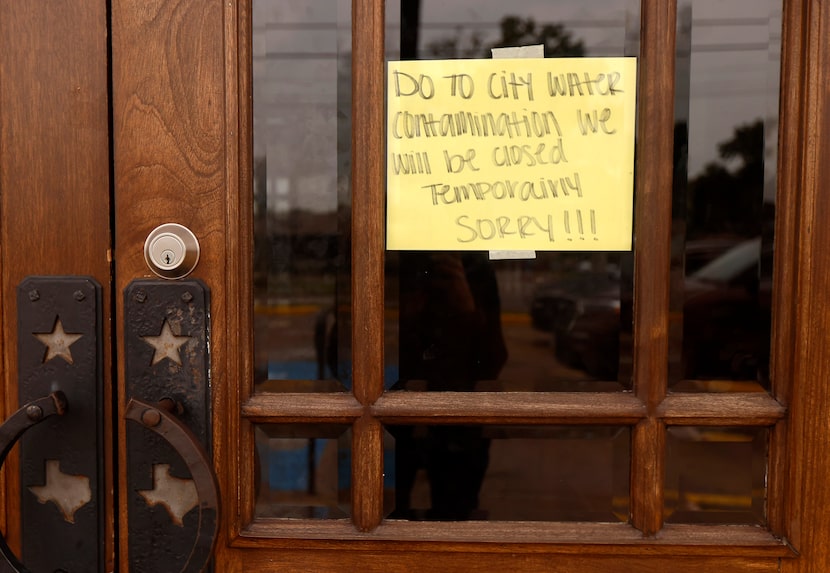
x=500, y=227
x=594, y=224
x=504, y=189
x=593, y=121
x=411, y=163
x=461, y=84
x=422, y=85
x=529, y=156
x=572, y=85
x=407, y=125
x=510, y=86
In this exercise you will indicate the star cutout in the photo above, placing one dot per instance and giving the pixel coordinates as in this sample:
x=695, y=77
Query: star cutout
x=178, y=496
x=69, y=492
x=58, y=342
x=166, y=345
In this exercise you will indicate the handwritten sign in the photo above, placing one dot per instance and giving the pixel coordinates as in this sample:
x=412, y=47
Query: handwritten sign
x=511, y=154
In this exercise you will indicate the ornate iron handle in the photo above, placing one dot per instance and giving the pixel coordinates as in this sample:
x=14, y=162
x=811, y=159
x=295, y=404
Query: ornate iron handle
x=29, y=415
x=159, y=419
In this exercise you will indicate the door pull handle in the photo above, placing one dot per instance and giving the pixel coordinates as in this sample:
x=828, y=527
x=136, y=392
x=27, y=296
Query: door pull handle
x=159, y=418
x=11, y=430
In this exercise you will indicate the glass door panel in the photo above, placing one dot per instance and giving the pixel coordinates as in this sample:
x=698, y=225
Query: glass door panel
x=302, y=130
x=557, y=322
x=724, y=194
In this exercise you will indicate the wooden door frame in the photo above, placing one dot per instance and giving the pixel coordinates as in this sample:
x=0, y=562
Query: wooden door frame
x=798, y=450
x=799, y=341
x=181, y=126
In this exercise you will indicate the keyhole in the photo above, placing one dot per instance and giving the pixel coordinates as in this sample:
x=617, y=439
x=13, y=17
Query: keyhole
x=168, y=256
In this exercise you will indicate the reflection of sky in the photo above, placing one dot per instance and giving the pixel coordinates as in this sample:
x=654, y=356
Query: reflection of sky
x=732, y=70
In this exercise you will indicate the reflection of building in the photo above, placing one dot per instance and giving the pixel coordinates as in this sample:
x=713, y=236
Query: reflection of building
x=301, y=136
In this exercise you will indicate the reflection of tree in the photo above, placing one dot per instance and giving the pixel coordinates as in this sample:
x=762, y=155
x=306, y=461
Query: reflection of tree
x=730, y=200
x=556, y=39
x=515, y=31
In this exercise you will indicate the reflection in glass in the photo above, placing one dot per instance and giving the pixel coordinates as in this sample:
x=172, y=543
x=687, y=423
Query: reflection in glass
x=301, y=85
x=304, y=471
x=726, y=108
x=716, y=475
x=459, y=321
x=511, y=473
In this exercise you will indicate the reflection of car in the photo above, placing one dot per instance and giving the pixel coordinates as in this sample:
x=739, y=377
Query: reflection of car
x=726, y=321
x=726, y=314
x=553, y=305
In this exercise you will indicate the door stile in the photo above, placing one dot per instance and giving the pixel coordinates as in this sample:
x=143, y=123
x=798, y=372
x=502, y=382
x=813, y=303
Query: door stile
x=54, y=187
x=233, y=436
x=653, y=177
x=785, y=329
x=807, y=449
x=170, y=165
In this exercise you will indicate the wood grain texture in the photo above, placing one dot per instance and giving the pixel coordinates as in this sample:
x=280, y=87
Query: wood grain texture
x=785, y=301
x=368, y=199
x=368, y=543
x=234, y=438
x=402, y=560
x=170, y=165
x=316, y=408
x=509, y=408
x=738, y=409
x=808, y=448
x=367, y=250
x=367, y=473
x=654, y=172
x=505, y=537
x=54, y=175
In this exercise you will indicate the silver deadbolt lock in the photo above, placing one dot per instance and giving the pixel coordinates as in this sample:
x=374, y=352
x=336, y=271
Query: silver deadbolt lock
x=171, y=251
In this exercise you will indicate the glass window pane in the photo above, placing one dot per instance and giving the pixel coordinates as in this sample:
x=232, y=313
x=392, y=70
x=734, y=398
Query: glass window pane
x=716, y=475
x=459, y=321
x=728, y=60
x=510, y=473
x=301, y=85
x=304, y=471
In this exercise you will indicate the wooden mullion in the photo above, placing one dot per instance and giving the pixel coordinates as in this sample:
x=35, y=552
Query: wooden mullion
x=648, y=459
x=610, y=408
x=654, y=171
x=705, y=409
x=739, y=409
x=367, y=473
x=302, y=408
x=368, y=186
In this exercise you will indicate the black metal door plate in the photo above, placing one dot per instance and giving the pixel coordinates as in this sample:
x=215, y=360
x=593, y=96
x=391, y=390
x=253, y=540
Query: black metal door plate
x=59, y=349
x=166, y=363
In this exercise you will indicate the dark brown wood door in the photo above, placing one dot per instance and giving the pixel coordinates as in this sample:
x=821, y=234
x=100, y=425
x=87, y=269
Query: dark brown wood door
x=88, y=167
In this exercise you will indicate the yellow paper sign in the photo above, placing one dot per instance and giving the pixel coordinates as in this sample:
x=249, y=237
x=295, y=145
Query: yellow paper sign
x=524, y=154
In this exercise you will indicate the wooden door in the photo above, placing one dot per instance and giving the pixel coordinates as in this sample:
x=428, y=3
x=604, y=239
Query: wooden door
x=178, y=143
x=55, y=206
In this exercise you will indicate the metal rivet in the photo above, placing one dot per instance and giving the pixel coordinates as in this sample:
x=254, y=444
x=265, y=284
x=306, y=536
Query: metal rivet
x=34, y=295
x=140, y=296
x=151, y=418
x=79, y=295
x=34, y=412
x=187, y=297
